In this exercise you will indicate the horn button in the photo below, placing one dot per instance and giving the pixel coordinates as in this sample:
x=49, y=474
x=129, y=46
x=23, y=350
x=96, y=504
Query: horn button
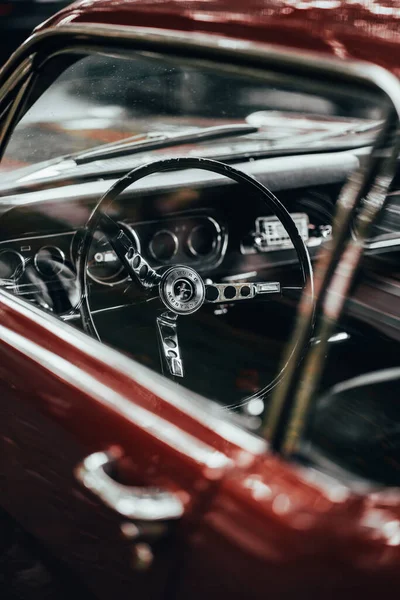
x=182, y=290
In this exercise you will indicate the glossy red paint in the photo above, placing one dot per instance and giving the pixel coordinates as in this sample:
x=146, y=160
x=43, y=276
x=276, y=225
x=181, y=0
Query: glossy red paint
x=56, y=421
x=255, y=541
x=252, y=523
x=366, y=30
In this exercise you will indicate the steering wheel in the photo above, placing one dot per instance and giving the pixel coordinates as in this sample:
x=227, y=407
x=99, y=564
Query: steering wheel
x=180, y=288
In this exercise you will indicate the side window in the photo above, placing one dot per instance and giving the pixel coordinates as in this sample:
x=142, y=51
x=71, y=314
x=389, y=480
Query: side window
x=200, y=234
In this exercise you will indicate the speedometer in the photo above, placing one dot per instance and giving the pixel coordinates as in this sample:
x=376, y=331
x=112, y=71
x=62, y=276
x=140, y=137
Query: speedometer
x=104, y=266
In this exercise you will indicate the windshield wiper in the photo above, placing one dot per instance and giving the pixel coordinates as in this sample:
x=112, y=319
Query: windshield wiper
x=155, y=141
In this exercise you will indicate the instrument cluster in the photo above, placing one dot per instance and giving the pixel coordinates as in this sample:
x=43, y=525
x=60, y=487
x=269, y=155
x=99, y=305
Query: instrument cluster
x=197, y=240
x=25, y=259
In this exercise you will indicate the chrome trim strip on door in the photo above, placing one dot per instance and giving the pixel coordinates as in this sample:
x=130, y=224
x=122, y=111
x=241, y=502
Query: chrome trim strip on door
x=161, y=429
x=249, y=57
x=203, y=410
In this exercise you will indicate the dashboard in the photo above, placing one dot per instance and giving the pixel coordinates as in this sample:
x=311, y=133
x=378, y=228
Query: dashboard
x=230, y=351
x=222, y=231
x=213, y=236
x=196, y=239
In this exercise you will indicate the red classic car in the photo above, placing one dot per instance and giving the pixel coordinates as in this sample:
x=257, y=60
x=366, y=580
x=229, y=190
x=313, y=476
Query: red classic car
x=199, y=241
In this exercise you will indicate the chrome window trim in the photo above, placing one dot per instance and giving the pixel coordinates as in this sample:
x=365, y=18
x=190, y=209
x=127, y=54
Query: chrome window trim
x=16, y=78
x=163, y=430
x=85, y=37
x=262, y=53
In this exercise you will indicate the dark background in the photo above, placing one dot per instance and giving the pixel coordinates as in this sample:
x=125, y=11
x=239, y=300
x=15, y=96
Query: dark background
x=19, y=17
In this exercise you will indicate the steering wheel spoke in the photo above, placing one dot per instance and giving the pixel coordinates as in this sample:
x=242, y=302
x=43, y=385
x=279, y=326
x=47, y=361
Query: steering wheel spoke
x=168, y=343
x=179, y=287
x=234, y=292
x=137, y=267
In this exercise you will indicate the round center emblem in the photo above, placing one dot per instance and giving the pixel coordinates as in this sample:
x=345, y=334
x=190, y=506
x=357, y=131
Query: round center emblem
x=182, y=290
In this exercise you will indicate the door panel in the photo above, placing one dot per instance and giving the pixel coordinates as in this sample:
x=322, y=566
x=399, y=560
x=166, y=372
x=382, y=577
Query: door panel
x=252, y=522
x=287, y=532
x=64, y=396
x=37, y=460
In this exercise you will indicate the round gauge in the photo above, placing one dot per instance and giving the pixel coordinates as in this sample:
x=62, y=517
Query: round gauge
x=104, y=266
x=49, y=260
x=202, y=239
x=12, y=265
x=163, y=245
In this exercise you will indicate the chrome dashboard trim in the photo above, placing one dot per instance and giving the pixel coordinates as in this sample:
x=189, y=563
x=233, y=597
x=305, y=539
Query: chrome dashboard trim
x=36, y=237
x=377, y=245
x=221, y=240
x=62, y=255
x=13, y=279
x=216, y=241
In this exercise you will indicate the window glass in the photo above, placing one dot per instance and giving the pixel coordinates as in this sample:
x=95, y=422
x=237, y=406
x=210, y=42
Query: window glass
x=225, y=232
x=101, y=99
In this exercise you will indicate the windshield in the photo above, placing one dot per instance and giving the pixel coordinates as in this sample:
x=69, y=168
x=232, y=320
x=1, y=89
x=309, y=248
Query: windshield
x=101, y=99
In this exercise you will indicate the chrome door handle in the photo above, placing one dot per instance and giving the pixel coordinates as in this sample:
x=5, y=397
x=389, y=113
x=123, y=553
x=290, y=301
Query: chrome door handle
x=136, y=503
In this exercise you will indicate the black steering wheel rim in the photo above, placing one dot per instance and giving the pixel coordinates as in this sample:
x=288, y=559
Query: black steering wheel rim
x=176, y=164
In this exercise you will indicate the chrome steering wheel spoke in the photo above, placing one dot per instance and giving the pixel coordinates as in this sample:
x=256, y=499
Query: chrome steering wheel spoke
x=180, y=288
x=168, y=343
x=137, y=267
x=234, y=292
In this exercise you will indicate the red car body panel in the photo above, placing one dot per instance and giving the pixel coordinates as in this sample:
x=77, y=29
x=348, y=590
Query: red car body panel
x=252, y=524
x=255, y=525
x=359, y=30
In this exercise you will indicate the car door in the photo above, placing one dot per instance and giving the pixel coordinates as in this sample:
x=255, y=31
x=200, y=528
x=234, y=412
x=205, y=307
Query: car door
x=64, y=398
x=249, y=522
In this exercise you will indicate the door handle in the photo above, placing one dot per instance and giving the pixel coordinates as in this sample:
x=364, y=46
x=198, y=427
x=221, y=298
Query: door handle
x=135, y=503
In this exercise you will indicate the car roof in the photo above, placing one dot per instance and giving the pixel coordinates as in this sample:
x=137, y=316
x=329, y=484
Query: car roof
x=357, y=29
